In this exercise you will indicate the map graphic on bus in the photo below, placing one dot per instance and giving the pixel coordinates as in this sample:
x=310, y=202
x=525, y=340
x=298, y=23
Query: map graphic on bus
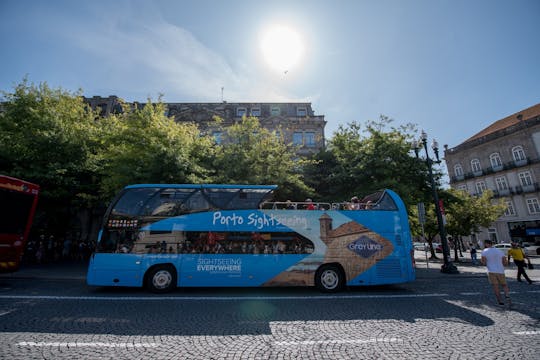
x=164, y=236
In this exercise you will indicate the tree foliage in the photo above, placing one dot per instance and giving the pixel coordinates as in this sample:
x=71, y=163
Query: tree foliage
x=361, y=162
x=142, y=145
x=51, y=137
x=252, y=154
x=48, y=136
x=467, y=213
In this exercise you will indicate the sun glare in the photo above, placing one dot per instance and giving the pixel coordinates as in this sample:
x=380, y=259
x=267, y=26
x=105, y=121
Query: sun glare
x=282, y=48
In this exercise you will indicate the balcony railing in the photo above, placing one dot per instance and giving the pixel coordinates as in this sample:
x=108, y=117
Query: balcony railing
x=494, y=169
x=517, y=190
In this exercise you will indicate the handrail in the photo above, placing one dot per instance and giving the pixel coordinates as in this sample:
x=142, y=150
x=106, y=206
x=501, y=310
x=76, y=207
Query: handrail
x=302, y=205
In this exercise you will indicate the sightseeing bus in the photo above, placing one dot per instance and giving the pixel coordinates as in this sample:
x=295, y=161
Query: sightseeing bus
x=164, y=236
x=18, y=202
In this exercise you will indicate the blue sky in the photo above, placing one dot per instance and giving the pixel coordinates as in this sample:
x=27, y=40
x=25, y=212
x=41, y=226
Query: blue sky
x=451, y=66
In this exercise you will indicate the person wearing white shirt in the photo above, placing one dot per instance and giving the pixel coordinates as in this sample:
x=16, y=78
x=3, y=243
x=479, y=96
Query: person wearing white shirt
x=495, y=261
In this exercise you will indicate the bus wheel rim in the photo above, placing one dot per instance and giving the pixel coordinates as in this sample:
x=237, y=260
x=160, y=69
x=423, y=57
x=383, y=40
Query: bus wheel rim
x=329, y=279
x=162, y=279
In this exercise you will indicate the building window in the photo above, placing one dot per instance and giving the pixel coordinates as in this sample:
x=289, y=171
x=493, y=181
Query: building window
x=480, y=187
x=509, y=209
x=518, y=154
x=309, y=139
x=275, y=111
x=256, y=111
x=501, y=183
x=458, y=170
x=533, y=206
x=525, y=178
x=301, y=111
x=462, y=187
x=297, y=138
x=475, y=166
x=241, y=111
x=495, y=160
x=492, y=234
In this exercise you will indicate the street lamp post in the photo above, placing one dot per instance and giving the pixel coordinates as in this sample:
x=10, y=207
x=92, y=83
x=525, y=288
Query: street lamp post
x=448, y=267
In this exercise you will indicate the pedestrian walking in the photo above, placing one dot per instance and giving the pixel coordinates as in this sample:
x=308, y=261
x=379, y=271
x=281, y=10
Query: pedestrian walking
x=519, y=257
x=495, y=261
x=474, y=256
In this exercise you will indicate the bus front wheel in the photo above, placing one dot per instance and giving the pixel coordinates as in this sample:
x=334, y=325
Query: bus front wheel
x=161, y=279
x=329, y=278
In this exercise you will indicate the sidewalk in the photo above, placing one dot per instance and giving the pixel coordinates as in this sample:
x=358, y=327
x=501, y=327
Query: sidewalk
x=61, y=270
x=432, y=267
x=76, y=270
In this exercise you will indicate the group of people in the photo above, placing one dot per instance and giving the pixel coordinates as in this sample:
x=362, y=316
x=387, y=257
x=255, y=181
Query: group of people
x=47, y=249
x=355, y=204
x=495, y=261
x=308, y=204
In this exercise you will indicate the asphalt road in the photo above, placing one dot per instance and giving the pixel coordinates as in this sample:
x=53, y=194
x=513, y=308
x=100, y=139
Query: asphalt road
x=436, y=317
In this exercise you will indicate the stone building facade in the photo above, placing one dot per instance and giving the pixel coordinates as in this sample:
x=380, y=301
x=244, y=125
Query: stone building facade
x=297, y=122
x=505, y=158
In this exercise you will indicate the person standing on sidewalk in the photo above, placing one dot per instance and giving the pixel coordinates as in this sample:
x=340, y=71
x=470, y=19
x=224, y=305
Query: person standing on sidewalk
x=495, y=261
x=519, y=257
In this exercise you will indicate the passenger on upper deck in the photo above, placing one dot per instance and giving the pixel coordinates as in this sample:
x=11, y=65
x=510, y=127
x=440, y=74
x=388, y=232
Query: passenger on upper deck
x=310, y=205
x=354, y=204
x=289, y=205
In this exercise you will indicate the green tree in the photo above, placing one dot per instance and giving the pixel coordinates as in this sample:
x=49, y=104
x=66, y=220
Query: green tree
x=142, y=145
x=362, y=162
x=48, y=137
x=467, y=213
x=251, y=154
x=429, y=230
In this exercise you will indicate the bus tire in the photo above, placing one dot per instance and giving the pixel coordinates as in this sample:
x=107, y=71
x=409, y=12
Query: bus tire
x=161, y=279
x=329, y=278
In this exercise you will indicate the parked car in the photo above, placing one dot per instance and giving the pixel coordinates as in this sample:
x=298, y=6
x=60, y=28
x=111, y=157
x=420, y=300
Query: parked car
x=503, y=247
x=531, y=249
x=420, y=246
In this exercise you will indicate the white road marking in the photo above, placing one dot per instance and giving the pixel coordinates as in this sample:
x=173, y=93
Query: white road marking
x=217, y=298
x=536, y=332
x=336, y=341
x=87, y=344
x=5, y=312
x=470, y=293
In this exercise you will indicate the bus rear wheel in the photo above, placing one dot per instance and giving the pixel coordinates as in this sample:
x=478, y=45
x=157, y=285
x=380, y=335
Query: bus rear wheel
x=329, y=278
x=161, y=279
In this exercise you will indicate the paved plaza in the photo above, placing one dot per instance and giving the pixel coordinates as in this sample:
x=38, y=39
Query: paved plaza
x=49, y=313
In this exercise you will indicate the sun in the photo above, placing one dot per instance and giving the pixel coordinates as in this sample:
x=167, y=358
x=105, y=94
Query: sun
x=282, y=47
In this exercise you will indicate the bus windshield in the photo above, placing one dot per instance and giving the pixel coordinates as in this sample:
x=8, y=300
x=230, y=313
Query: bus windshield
x=165, y=201
x=18, y=201
x=163, y=236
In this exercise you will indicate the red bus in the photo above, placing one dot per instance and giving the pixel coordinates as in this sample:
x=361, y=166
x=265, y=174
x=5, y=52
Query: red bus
x=18, y=201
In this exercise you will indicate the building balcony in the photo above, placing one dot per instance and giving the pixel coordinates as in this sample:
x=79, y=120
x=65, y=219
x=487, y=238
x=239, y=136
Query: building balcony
x=524, y=189
x=477, y=173
x=503, y=192
x=493, y=169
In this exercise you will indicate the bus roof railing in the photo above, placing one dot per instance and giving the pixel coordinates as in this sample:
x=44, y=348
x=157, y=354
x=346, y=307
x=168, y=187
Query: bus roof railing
x=297, y=205
x=203, y=186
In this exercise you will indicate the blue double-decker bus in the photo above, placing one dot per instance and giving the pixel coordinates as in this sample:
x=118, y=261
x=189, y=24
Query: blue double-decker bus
x=164, y=236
